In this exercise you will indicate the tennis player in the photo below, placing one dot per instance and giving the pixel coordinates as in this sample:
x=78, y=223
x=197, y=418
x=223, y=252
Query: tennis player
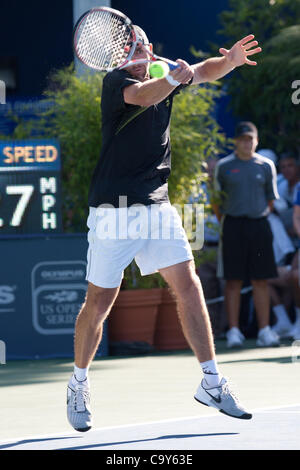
x=133, y=169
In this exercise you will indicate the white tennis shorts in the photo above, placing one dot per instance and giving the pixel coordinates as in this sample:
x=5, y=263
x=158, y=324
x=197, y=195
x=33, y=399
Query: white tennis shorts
x=152, y=235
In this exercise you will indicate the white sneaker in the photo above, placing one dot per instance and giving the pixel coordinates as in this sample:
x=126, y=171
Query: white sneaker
x=235, y=338
x=295, y=330
x=222, y=398
x=78, y=405
x=267, y=337
x=283, y=329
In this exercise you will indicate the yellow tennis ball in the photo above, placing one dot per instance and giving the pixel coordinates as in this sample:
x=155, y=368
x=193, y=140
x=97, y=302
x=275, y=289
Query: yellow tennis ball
x=159, y=69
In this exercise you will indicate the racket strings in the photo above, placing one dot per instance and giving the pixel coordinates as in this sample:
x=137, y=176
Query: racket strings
x=102, y=40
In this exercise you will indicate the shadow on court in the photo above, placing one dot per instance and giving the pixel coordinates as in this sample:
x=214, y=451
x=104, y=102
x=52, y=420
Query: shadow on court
x=25, y=372
x=105, y=444
x=278, y=360
x=160, y=438
x=30, y=441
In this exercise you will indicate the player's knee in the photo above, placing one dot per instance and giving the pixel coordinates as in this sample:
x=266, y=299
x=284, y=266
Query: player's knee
x=98, y=305
x=189, y=287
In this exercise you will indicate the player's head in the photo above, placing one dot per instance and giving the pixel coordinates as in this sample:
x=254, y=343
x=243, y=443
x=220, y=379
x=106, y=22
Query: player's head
x=140, y=71
x=246, y=138
x=141, y=36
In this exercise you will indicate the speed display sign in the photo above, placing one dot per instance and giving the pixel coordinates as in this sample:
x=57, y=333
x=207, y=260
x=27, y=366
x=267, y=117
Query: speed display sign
x=30, y=187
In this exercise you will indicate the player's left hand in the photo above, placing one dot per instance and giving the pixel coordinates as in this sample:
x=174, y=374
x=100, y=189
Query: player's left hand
x=184, y=73
x=238, y=54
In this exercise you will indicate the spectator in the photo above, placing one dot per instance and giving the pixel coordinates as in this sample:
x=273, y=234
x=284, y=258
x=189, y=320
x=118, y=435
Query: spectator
x=280, y=287
x=247, y=182
x=284, y=249
x=295, y=271
x=289, y=168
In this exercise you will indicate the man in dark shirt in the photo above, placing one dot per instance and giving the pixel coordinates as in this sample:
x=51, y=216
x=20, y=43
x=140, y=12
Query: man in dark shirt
x=131, y=176
x=247, y=182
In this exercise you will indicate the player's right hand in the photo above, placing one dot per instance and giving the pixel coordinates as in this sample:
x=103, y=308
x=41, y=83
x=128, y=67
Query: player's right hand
x=184, y=73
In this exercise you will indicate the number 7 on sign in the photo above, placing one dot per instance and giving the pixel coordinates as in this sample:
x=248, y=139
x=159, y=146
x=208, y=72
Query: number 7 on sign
x=26, y=193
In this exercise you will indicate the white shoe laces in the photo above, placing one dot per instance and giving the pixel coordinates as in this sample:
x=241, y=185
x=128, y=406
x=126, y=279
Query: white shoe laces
x=226, y=390
x=81, y=398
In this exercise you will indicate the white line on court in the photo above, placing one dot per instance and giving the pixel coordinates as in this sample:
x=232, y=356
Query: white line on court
x=147, y=423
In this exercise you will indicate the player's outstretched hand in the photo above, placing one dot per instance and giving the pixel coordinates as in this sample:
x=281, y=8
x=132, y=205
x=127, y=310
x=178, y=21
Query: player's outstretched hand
x=238, y=54
x=184, y=73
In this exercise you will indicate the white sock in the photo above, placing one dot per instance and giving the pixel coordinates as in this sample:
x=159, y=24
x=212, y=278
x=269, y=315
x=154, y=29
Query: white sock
x=80, y=374
x=280, y=313
x=211, y=373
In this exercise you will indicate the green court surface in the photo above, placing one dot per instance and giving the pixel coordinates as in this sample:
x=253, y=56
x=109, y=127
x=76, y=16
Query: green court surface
x=142, y=389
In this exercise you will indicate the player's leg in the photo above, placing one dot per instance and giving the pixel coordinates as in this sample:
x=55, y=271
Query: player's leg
x=107, y=259
x=195, y=321
x=89, y=323
x=192, y=309
x=172, y=256
x=88, y=334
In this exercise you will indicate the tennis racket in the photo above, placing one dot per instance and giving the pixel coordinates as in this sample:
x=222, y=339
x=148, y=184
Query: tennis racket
x=105, y=39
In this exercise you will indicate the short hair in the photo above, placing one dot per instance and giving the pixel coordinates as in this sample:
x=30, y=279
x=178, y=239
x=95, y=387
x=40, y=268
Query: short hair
x=141, y=35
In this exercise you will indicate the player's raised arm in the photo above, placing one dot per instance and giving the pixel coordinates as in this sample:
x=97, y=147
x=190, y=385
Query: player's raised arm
x=217, y=67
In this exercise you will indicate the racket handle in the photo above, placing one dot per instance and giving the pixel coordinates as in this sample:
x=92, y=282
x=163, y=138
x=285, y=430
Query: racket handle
x=172, y=65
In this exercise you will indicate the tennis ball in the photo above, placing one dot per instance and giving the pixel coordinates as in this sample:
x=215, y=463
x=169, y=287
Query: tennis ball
x=159, y=69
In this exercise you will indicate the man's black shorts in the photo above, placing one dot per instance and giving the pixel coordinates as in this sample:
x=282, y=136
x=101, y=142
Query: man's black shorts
x=247, y=249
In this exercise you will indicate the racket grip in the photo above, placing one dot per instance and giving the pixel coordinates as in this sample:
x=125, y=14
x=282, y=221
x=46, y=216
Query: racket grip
x=172, y=65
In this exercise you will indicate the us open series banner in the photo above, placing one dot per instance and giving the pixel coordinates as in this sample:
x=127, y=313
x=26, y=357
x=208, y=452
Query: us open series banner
x=42, y=288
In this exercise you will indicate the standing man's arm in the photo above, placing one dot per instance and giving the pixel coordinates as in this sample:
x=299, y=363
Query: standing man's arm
x=271, y=185
x=296, y=220
x=217, y=67
x=217, y=211
x=217, y=188
x=271, y=205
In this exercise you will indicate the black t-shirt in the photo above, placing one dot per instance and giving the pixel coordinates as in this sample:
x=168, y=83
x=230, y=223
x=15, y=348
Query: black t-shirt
x=135, y=159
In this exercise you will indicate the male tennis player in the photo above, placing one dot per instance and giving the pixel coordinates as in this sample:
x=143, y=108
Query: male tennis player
x=133, y=168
